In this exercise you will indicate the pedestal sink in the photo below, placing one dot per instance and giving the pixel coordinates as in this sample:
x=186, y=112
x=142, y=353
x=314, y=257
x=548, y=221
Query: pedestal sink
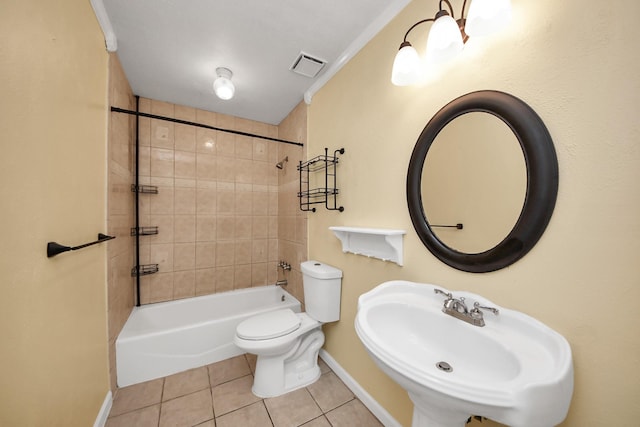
x=514, y=370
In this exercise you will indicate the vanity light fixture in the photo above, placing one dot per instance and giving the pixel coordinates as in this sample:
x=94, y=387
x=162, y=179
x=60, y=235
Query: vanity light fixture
x=223, y=86
x=448, y=35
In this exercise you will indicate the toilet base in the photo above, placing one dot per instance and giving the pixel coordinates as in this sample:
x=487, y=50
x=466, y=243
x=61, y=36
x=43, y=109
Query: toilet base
x=297, y=368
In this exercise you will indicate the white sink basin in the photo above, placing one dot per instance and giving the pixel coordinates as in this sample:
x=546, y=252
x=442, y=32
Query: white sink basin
x=514, y=370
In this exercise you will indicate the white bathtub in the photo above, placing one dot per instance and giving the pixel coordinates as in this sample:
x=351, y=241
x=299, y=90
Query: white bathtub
x=165, y=338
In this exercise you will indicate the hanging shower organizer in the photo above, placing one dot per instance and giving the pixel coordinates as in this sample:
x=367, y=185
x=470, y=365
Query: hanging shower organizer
x=317, y=195
x=141, y=270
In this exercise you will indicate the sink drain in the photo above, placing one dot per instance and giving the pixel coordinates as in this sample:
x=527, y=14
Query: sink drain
x=444, y=366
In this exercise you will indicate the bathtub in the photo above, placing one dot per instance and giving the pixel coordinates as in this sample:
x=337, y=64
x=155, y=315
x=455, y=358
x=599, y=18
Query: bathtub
x=169, y=337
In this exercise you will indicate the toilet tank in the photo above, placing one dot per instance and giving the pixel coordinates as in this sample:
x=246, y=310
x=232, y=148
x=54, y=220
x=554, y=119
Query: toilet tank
x=322, y=285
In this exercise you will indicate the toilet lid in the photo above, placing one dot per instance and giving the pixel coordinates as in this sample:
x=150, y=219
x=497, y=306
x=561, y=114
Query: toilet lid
x=269, y=325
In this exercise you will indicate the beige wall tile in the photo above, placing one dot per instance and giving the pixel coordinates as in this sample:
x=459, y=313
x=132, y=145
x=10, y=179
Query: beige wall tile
x=244, y=147
x=185, y=138
x=185, y=201
x=243, y=227
x=206, y=140
x=224, y=279
x=206, y=228
x=225, y=254
x=185, y=164
x=185, y=113
x=205, y=254
x=162, y=161
x=184, y=228
x=243, y=250
x=184, y=256
x=225, y=228
x=184, y=284
x=206, y=167
x=225, y=204
x=205, y=281
x=226, y=144
x=206, y=201
x=242, y=278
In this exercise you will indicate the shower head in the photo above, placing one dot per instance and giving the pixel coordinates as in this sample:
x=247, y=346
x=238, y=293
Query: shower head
x=281, y=163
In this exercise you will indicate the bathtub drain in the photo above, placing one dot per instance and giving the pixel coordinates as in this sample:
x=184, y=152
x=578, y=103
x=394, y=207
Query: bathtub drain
x=444, y=366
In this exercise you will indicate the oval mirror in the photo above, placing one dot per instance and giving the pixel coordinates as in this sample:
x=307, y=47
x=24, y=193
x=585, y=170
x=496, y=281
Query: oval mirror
x=482, y=181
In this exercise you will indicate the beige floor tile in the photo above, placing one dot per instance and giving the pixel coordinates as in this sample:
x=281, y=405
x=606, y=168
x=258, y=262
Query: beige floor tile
x=210, y=423
x=352, y=414
x=184, y=383
x=227, y=370
x=187, y=411
x=318, y=422
x=137, y=396
x=254, y=415
x=252, y=359
x=145, y=417
x=324, y=368
x=292, y=409
x=330, y=392
x=233, y=395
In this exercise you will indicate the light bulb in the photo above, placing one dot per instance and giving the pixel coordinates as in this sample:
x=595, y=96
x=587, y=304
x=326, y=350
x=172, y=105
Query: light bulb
x=406, y=66
x=445, y=39
x=223, y=86
x=487, y=16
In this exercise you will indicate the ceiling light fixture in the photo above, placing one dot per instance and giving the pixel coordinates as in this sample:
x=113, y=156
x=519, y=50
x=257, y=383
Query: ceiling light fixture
x=223, y=86
x=448, y=35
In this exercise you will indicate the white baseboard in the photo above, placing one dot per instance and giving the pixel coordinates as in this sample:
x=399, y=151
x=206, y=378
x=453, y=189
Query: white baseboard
x=376, y=409
x=101, y=419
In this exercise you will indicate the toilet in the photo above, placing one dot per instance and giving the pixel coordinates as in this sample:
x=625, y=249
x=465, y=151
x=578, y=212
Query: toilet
x=287, y=343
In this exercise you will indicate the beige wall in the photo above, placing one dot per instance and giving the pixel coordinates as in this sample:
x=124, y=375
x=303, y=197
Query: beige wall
x=53, y=121
x=574, y=63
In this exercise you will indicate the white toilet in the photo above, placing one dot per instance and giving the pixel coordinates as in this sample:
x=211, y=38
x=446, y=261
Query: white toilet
x=287, y=343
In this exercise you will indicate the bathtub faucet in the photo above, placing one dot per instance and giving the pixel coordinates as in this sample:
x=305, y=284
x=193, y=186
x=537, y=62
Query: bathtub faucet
x=282, y=282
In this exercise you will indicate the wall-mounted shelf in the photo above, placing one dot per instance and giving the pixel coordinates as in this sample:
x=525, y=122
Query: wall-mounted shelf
x=384, y=244
x=328, y=193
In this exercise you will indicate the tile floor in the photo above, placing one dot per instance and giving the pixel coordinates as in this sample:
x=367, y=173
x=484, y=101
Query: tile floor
x=219, y=395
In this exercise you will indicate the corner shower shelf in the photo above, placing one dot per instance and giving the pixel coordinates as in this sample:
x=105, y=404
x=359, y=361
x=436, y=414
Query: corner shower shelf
x=144, y=231
x=149, y=189
x=311, y=196
x=384, y=244
x=144, y=270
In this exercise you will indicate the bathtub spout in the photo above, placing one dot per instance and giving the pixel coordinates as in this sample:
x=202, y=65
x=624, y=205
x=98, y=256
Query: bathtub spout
x=282, y=282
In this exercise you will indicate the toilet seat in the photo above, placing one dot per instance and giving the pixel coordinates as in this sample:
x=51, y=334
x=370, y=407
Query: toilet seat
x=269, y=325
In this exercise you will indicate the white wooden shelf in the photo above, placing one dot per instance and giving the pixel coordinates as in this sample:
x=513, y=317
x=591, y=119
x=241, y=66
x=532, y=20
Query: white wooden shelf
x=380, y=243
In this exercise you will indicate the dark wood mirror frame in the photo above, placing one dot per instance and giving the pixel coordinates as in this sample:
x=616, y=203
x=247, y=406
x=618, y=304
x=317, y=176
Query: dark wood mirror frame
x=542, y=180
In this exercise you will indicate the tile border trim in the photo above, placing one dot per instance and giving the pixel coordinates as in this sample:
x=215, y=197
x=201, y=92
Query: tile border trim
x=367, y=400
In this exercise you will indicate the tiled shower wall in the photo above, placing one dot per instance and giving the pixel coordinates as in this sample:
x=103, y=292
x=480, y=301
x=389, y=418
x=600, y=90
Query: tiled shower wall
x=218, y=207
x=120, y=205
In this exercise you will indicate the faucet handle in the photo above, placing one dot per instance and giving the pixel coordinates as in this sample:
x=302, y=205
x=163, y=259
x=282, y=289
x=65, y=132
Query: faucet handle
x=477, y=307
x=446, y=294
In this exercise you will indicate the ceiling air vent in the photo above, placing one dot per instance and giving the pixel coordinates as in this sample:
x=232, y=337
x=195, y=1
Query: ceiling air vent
x=307, y=65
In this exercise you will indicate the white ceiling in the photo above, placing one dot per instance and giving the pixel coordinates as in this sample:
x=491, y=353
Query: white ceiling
x=170, y=49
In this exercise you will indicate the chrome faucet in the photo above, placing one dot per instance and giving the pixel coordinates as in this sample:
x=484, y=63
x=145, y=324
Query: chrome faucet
x=457, y=308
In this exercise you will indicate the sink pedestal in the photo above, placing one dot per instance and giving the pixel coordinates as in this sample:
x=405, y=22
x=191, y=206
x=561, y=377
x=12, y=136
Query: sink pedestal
x=429, y=414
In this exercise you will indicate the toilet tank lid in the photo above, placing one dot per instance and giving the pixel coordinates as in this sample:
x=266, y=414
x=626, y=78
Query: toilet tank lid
x=320, y=270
